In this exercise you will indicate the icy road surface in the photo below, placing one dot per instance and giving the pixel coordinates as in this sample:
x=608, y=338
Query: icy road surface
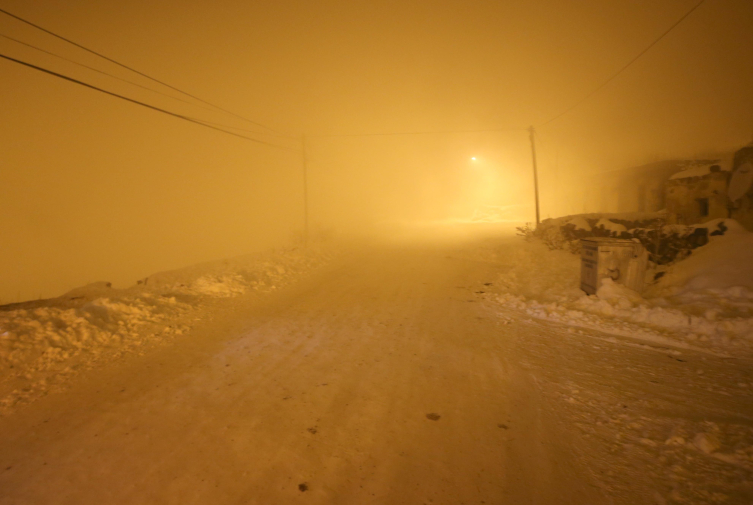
x=391, y=377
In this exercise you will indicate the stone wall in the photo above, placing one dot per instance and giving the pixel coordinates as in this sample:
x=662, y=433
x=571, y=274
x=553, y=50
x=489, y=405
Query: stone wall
x=742, y=209
x=688, y=198
x=664, y=243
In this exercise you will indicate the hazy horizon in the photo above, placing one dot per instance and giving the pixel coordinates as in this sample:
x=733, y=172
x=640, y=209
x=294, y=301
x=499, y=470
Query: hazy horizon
x=95, y=188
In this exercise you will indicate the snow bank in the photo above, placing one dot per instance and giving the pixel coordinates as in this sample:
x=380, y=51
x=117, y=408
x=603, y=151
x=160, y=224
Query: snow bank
x=630, y=217
x=220, y=286
x=726, y=262
x=609, y=226
x=234, y=276
x=704, y=301
x=580, y=223
x=44, y=342
x=699, y=171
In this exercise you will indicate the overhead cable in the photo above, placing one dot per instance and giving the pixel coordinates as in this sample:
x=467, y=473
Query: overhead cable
x=95, y=69
x=135, y=71
x=278, y=135
x=416, y=132
x=137, y=102
x=602, y=85
x=138, y=86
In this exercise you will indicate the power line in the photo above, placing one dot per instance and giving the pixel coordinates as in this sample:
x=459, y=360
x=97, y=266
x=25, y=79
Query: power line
x=134, y=70
x=137, y=85
x=242, y=129
x=416, y=132
x=152, y=107
x=278, y=135
x=652, y=44
x=94, y=69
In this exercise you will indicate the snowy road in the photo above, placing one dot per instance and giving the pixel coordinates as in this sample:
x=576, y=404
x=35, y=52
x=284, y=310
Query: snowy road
x=387, y=378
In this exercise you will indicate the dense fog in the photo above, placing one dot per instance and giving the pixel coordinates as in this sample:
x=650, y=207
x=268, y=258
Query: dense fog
x=411, y=111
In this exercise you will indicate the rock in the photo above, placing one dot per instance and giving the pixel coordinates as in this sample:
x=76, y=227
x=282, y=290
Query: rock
x=675, y=441
x=707, y=442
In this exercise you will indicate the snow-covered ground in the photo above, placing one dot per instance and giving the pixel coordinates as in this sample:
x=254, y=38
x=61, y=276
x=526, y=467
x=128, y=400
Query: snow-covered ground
x=44, y=343
x=703, y=302
x=404, y=373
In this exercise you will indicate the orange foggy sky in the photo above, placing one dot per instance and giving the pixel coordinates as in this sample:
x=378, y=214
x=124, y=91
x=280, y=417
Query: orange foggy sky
x=93, y=188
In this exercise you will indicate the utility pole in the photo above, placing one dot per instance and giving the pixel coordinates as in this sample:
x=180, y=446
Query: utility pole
x=305, y=194
x=535, y=173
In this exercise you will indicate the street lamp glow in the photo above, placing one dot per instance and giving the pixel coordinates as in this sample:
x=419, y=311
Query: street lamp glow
x=473, y=158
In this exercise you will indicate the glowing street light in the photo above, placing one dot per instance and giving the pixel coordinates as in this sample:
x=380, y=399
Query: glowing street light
x=473, y=158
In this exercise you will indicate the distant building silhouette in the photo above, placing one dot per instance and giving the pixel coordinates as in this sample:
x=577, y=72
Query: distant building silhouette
x=740, y=190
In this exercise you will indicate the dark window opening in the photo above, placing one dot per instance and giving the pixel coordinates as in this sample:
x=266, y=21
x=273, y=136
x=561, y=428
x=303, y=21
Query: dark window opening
x=703, y=206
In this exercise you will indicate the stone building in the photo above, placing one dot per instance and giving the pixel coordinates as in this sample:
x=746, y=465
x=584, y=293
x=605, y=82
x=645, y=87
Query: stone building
x=636, y=189
x=740, y=191
x=697, y=194
x=691, y=191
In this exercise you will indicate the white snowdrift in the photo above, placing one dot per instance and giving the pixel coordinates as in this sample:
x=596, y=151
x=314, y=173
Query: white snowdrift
x=608, y=225
x=44, y=342
x=724, y=263
x=705, y=301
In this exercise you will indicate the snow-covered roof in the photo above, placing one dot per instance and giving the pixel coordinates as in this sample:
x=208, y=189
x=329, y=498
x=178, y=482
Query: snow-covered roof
x=697, y=171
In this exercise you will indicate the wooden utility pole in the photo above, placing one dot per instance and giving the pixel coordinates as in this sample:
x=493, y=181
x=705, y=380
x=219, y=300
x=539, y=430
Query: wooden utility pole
x=535, y=173
x=305, y=194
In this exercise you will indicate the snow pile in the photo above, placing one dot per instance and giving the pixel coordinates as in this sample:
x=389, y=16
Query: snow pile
x=235, y=276
x=722, y=264
x=580, y=223
x=704, y=301
x=632, y=219
x=699, y=171
x=608, y=225
x=36, y=339
x=44, y=345
x=44, y=342
x=219, y=286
